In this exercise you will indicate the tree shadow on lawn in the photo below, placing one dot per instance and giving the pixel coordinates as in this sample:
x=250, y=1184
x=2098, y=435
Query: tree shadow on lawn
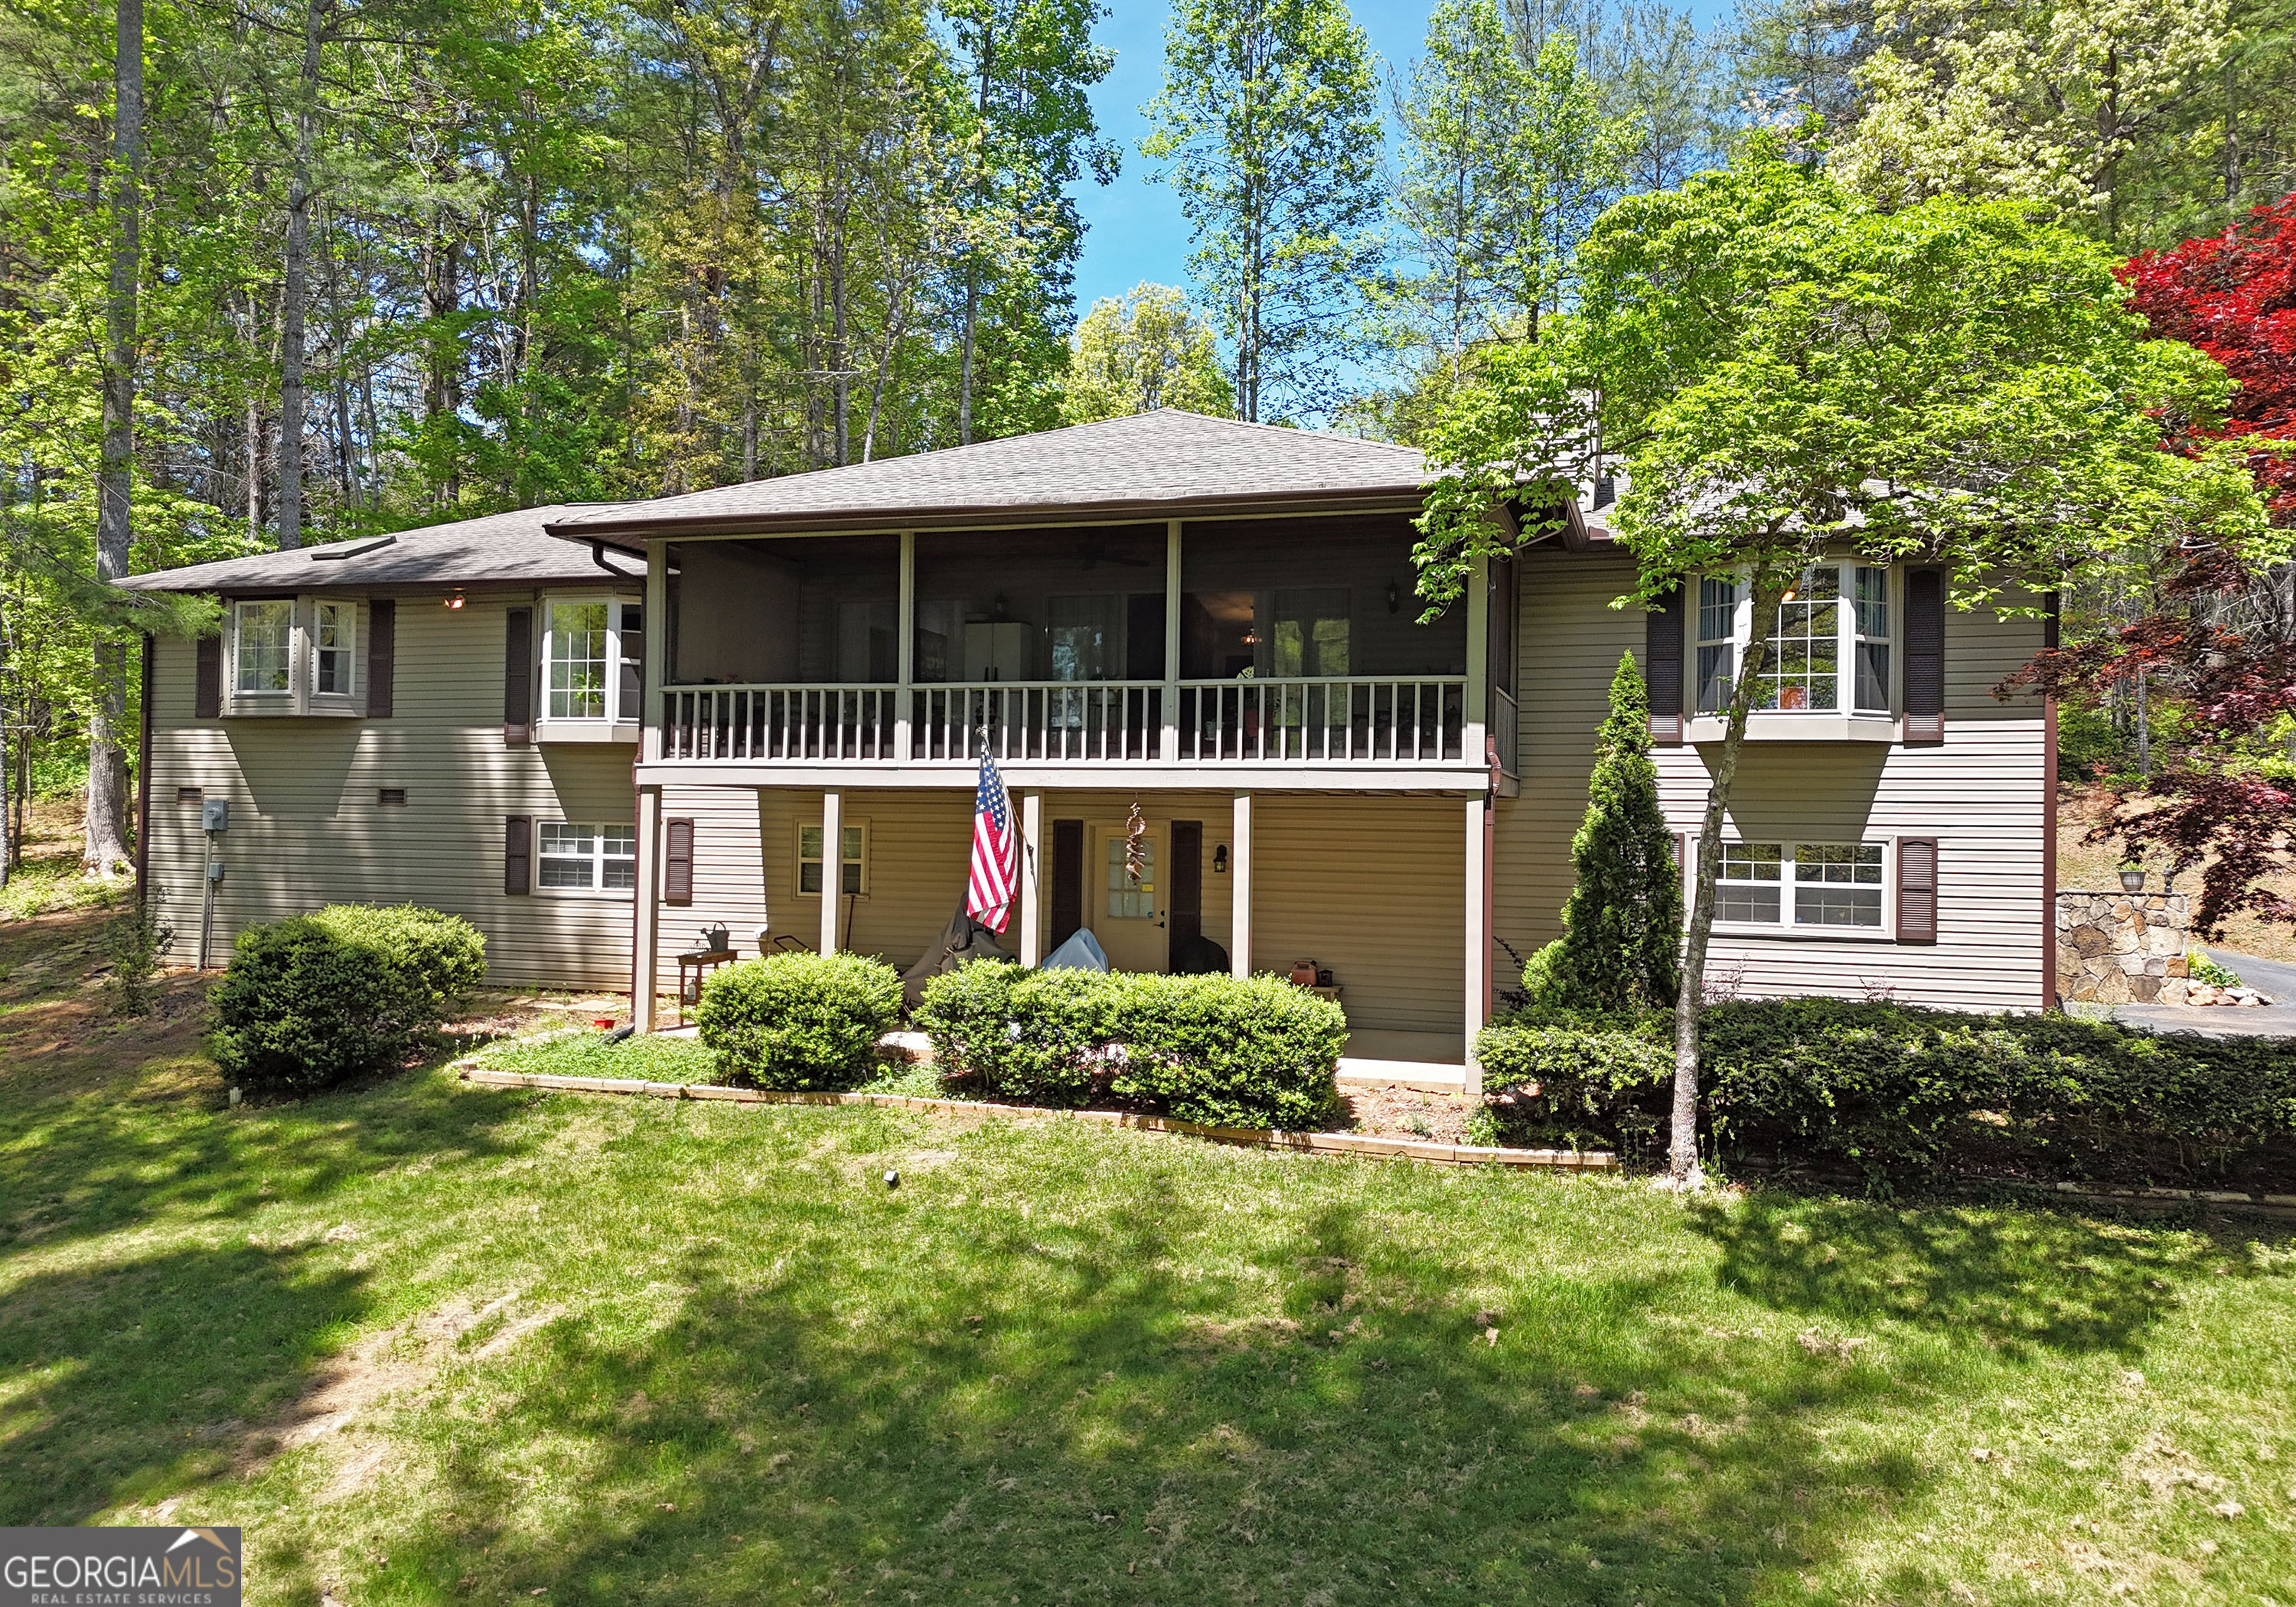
x=129, y=1368
x=1109, y=1429
x=2021, y=1280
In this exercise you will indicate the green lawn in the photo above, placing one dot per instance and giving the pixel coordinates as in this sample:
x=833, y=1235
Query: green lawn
x=433, y=1343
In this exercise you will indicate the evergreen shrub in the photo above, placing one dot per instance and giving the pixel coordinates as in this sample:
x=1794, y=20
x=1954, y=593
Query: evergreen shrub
x=1258, y=1052
x=1622, y=925
x=346, y=989
x=1894, y=1090
x=799, y=1022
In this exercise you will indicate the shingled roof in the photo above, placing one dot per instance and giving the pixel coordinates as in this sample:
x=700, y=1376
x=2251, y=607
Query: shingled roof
x=512, y=548
x=1159, y=464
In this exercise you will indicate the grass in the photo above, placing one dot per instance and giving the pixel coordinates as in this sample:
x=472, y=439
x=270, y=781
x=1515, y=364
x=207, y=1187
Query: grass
x=49, y=880
x=431, y=1343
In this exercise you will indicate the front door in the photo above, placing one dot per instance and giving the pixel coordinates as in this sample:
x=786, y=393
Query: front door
x=1128, y=915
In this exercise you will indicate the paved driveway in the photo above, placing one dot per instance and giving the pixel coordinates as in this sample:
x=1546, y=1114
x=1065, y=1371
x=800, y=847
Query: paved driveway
x=2276, y=978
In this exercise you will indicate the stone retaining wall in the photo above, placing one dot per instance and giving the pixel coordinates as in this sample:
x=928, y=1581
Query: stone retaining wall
x=2123, y=948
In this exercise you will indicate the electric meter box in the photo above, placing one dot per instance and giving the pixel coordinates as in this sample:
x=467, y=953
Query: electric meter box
x=214, y=815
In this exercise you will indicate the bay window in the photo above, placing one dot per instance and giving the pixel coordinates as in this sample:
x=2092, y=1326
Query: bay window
x=334, y=633
x=264, y=654
x=593, y=661
x=1829, y=648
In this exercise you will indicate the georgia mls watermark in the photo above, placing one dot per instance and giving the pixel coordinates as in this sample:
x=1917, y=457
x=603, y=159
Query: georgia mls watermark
x=171, y=1567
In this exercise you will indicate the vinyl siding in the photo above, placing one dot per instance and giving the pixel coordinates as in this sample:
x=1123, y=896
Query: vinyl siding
x=306, y=829
x=1371, y=887
x=1981, y=795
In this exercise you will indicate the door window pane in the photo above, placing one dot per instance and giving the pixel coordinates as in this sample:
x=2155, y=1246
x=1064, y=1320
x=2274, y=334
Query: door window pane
x=1310, y=633
x=1081, y=634
x=265, y=632
x=1130, y=900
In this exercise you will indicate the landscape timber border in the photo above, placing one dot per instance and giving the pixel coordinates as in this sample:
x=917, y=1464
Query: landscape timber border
x=1266, y=1138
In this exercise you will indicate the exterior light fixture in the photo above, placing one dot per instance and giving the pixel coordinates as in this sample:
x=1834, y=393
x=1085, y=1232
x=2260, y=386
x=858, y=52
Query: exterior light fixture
x=455, y=601
x=1220, y=860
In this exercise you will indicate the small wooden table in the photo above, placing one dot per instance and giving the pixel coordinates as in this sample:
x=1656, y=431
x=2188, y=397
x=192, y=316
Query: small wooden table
x=693, y=966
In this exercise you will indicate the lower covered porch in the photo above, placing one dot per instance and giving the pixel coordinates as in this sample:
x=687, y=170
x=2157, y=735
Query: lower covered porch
x=1388, y=894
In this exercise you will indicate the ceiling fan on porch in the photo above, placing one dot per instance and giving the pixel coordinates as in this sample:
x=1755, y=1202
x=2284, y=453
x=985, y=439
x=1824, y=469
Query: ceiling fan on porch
x=1093, y=553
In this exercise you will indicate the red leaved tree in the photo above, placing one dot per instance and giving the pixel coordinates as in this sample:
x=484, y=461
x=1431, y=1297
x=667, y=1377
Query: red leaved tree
x=2234, y=296
x=2219, y=636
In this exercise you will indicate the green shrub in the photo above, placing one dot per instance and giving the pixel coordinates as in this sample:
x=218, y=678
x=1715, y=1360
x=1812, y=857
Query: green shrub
x=1213, y=1049
x=799, y=1021
x=1893, y=1090
x=346, y=989
x=1254, y=1052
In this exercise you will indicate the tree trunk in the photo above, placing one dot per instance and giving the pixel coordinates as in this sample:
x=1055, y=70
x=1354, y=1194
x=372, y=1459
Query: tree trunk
x=1682, y=1155
x=290, y=461
x=967, y=339
x=105, y=851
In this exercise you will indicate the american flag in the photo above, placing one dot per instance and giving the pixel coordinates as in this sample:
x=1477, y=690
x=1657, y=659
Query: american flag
x=996, y=852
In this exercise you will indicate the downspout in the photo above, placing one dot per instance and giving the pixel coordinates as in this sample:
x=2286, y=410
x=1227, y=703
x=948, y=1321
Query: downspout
x=144, y=775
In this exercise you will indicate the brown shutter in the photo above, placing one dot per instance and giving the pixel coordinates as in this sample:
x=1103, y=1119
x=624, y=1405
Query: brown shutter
x=518, y=678
x=381, y=651
x=1918, y=903
x=518, y=853
x=206, y=679
x=1662, y=666
x=1068, y=881
x=678, y=861
x=1924, y=658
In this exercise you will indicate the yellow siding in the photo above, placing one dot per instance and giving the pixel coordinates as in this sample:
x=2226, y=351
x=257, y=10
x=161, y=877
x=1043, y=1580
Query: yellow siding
x=306, y=829
x=1372, y=888
x=1981, y=795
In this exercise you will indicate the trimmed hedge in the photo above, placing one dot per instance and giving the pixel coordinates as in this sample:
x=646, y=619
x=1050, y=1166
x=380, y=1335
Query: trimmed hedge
x=348, y=989
x=1893, y=1089
x=799, y=1022
x=1254, y=1053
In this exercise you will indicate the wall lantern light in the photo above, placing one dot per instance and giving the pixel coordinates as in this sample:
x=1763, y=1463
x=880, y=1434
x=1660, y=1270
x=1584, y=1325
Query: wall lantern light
x=455, y=601
x=1220, y=860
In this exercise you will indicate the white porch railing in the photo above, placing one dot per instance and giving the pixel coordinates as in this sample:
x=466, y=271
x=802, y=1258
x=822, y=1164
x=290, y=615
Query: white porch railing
x=1034, y=721
x=797, y=723
x=1330, y=719
x=1384, y=720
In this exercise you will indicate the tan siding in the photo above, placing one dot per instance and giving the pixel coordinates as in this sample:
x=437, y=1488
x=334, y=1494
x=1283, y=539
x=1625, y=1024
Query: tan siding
x=1373, y=888
x=306, y=829
x=1370, y=887
x=1981, y=795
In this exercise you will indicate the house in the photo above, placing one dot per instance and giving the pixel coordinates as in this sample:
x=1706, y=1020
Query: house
x=1206, y=625
x=447, y=717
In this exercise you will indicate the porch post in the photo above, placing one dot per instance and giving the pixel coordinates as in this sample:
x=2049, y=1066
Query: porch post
x=832, y=866
x=1475, y=716
x=906, y=618
x=647, y=919
x=1239, y=887
x=1169, y=742
x=1032, y=885
x=1479, y=938
x=656, y=651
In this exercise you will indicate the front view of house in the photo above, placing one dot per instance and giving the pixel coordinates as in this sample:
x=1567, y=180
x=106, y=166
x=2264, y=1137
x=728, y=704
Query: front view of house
x=1194, y=648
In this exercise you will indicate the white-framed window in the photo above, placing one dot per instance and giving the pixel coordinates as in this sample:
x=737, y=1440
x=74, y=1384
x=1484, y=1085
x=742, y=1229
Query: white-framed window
x=334, y=637
x=593, y=659
x=1803, y=886
x=586, y=858
x=855, y=867
x=263, y=653
x=1830, y=652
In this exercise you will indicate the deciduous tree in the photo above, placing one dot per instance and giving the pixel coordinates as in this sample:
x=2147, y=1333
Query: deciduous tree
x=1788, y=372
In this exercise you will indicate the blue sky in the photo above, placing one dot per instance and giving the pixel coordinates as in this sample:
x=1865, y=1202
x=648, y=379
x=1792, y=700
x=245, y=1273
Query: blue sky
x=1135, y=230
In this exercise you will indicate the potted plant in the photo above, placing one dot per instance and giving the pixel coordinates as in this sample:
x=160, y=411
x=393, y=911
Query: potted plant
x=2132, y=875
